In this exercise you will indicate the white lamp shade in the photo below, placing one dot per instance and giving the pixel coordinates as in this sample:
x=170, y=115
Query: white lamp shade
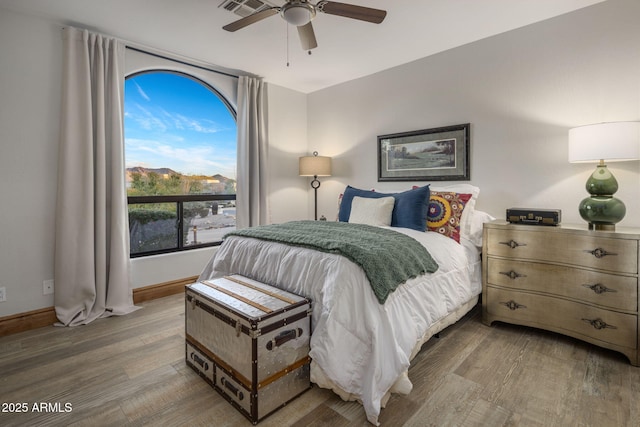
x=315, y=166
x=613, y=142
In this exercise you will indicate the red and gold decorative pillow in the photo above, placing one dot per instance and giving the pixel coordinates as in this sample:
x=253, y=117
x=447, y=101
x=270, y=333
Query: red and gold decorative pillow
x=445, y=213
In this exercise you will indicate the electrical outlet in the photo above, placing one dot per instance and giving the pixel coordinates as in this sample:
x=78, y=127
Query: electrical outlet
x=47, y=287
x=3, y=294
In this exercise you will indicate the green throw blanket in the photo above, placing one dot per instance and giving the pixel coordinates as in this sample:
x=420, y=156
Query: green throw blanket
x=387, y=257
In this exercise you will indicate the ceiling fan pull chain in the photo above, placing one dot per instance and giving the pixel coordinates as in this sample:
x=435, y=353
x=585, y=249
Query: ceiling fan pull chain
x=287, y=27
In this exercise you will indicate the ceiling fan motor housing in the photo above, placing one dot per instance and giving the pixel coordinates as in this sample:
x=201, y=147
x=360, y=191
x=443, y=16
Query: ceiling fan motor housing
x=298, y=13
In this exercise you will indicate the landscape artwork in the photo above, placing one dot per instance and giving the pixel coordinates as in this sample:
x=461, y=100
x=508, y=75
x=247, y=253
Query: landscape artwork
x=431, y=154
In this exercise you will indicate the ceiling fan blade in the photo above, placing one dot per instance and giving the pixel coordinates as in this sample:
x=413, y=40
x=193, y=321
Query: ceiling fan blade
x=307, y=36
x=362, y=13
x=251, y=19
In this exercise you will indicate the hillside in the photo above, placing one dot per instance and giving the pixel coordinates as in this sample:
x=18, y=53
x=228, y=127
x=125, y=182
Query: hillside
x=167, y=171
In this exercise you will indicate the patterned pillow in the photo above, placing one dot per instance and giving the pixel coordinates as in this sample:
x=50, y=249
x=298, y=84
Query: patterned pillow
x=469, y=208
x=445, y=213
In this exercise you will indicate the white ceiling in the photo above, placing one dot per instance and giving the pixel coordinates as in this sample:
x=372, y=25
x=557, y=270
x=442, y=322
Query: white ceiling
x=347, y=48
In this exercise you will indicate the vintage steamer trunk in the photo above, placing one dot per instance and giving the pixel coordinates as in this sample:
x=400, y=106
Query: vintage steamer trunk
x=250, y=341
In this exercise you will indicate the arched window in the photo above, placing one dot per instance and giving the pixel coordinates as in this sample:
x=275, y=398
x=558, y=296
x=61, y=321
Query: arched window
x=180, y=153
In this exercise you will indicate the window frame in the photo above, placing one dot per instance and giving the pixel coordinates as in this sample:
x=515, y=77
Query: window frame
x=179, y=200
x=182, y=198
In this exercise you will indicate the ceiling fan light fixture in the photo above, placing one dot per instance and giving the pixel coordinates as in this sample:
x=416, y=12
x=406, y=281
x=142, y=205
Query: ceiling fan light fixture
x=298, y=14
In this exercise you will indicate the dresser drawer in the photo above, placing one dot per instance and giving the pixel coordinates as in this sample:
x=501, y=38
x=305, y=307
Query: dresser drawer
x=604, y=289
x=602, y=253
x=563, y=316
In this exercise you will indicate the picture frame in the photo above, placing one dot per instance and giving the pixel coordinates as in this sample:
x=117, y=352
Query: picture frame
x=438, y=154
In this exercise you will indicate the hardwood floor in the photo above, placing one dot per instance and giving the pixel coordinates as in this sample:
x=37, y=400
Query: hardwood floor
x=131, y=371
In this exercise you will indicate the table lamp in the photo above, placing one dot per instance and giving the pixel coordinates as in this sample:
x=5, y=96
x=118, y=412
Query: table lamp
x=613, y=142
x=315, y=166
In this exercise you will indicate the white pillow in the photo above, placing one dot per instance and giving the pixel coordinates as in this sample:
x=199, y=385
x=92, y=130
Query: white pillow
x=477, y=220
x=372, y=211
x=467, y=213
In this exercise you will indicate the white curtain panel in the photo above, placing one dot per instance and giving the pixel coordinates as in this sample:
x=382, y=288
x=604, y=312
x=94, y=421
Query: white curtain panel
x=92, y=236
x=251, y=201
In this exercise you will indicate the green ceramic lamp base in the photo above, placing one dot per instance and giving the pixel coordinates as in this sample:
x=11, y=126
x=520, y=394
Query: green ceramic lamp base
x=602, y=211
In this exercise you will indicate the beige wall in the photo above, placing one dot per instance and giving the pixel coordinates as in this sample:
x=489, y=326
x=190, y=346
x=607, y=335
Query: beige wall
x=521, y=91
x=287, y=141
x=30, y=78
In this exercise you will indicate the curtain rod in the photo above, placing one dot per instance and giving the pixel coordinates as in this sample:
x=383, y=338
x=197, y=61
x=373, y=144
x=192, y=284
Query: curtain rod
x=139, y=48
x=179, y=61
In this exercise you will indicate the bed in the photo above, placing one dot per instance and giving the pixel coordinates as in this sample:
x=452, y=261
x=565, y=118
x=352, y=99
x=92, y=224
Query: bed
x=360, y=348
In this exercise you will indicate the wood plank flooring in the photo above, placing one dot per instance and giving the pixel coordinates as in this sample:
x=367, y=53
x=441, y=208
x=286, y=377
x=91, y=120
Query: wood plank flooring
x=131, y=371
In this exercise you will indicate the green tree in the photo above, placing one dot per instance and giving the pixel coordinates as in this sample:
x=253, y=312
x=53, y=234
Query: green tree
x=173, y=185
x=152, y=184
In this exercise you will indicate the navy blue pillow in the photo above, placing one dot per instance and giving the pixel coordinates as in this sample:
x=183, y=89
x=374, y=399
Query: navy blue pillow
x=410, y=209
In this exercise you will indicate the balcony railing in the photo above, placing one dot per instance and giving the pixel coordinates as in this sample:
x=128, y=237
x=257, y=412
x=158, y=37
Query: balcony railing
x=163, y=224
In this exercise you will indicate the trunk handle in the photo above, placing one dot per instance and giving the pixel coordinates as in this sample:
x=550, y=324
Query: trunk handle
x=232, y=388
x=283, y=337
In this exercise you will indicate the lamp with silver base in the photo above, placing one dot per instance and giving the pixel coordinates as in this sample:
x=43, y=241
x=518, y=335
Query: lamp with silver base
x=315, y=166
x=616, y=141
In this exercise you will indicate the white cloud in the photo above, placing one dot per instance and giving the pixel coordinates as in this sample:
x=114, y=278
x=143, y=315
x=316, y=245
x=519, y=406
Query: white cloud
x=203, y=126
x=141, y=92
x=164, y=121
x=196, y=160
x=146, y=119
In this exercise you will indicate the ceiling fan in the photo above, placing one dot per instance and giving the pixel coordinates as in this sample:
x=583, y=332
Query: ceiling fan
x=300, y=13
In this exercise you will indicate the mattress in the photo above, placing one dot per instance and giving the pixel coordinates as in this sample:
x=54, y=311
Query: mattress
x=360, y=348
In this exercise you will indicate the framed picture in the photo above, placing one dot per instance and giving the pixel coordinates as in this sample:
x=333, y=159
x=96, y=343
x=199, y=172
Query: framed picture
x=439, y=154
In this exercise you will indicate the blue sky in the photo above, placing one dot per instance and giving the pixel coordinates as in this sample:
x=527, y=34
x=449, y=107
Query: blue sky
x=176, y=122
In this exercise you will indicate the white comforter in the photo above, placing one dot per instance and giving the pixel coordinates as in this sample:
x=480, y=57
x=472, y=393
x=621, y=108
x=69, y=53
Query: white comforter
x=358, y=345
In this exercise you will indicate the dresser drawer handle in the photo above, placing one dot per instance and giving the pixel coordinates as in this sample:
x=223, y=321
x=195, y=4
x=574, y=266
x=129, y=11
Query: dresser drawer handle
x=513, y=244
x=599, y=253
x=512, y=305
x=599, y=324
x=512, y=274
x=599, y=288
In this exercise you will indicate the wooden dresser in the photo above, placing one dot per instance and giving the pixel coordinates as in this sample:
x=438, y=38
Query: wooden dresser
x=565, y=279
